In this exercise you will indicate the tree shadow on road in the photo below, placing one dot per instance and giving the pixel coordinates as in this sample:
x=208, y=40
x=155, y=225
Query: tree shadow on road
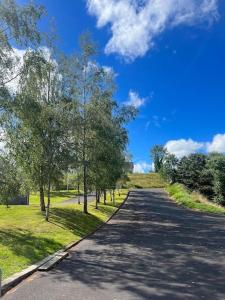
x=153, y=250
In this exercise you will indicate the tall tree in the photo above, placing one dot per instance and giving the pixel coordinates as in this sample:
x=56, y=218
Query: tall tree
x=98, y=115
x=158, y=153
x=18, y=27
x=85, y=79
x=169, y=168
x=37, y=127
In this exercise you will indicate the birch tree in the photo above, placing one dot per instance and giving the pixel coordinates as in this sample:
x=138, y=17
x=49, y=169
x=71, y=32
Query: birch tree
x=37, y=127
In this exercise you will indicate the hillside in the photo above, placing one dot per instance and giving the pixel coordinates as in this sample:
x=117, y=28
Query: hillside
x=150, y=180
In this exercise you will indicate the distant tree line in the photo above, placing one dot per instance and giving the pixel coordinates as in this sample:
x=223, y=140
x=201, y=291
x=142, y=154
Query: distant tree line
x=62, y=115
x=198, y=172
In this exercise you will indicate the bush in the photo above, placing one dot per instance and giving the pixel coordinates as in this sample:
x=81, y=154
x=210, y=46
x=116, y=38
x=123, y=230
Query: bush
x=194, y=173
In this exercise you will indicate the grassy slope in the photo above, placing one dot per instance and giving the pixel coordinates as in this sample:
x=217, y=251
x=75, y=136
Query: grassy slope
x=26, y=238
x=150, y=180
x=193, y=201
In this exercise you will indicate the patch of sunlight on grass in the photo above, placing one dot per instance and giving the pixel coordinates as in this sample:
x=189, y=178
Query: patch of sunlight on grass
x=25, y=236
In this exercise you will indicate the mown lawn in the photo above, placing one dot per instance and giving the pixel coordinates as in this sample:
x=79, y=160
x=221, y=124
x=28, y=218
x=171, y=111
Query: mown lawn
x=150, y=180
x=25, y=237
x=56, y=196
x=193, y=201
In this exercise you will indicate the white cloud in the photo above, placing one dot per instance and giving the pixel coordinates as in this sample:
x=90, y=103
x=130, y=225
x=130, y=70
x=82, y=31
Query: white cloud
x=18, y=59
x=217, y=144
x=135, y=24
x=135, y=100
x=183, y=147
x=142, y=167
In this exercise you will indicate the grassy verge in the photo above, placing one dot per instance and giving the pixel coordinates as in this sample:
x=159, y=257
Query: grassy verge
x=25, y=237
x=150, y=180
x=193, y=200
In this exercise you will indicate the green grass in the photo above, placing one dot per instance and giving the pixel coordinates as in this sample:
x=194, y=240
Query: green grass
x=56, y=196
x=25, y=237
x=150, y=180
x=192, y=200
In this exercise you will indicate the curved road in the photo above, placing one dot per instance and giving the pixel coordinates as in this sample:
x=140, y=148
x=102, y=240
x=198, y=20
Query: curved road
x=152, y=249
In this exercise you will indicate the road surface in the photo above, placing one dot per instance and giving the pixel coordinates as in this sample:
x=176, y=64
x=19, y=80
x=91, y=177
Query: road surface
x=152, y=249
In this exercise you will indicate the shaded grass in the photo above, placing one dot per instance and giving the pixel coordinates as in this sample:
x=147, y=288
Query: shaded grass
x=25, y=237
x=192, y=200
x=150, y=180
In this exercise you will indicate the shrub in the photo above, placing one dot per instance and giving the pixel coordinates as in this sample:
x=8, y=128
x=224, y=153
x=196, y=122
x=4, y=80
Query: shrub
x=194, y=173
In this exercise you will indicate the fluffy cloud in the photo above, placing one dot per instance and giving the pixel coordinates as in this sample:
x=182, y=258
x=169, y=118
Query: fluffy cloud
x=142, y=167
x=135, y=24
x=183, y=147
x=217, y=144
x=135, y=100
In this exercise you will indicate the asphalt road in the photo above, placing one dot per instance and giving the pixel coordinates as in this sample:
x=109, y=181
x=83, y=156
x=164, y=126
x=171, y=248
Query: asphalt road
x=152, y=249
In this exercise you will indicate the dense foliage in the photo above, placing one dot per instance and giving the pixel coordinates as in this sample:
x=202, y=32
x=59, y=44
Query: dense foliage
x=198, y=172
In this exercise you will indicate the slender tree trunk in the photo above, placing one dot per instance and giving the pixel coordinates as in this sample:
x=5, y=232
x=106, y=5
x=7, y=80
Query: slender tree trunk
x=104, y=197
x=96, y=199
x=42, y=198
x=99, y=195
x=113, y=197
x=85, y=188
x=78, y=190
x=49, y=199
x=67, y=182
x=84, y=137
x=28, y=198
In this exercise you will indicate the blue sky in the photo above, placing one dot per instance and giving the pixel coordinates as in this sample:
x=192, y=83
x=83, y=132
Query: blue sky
x=170, y=59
